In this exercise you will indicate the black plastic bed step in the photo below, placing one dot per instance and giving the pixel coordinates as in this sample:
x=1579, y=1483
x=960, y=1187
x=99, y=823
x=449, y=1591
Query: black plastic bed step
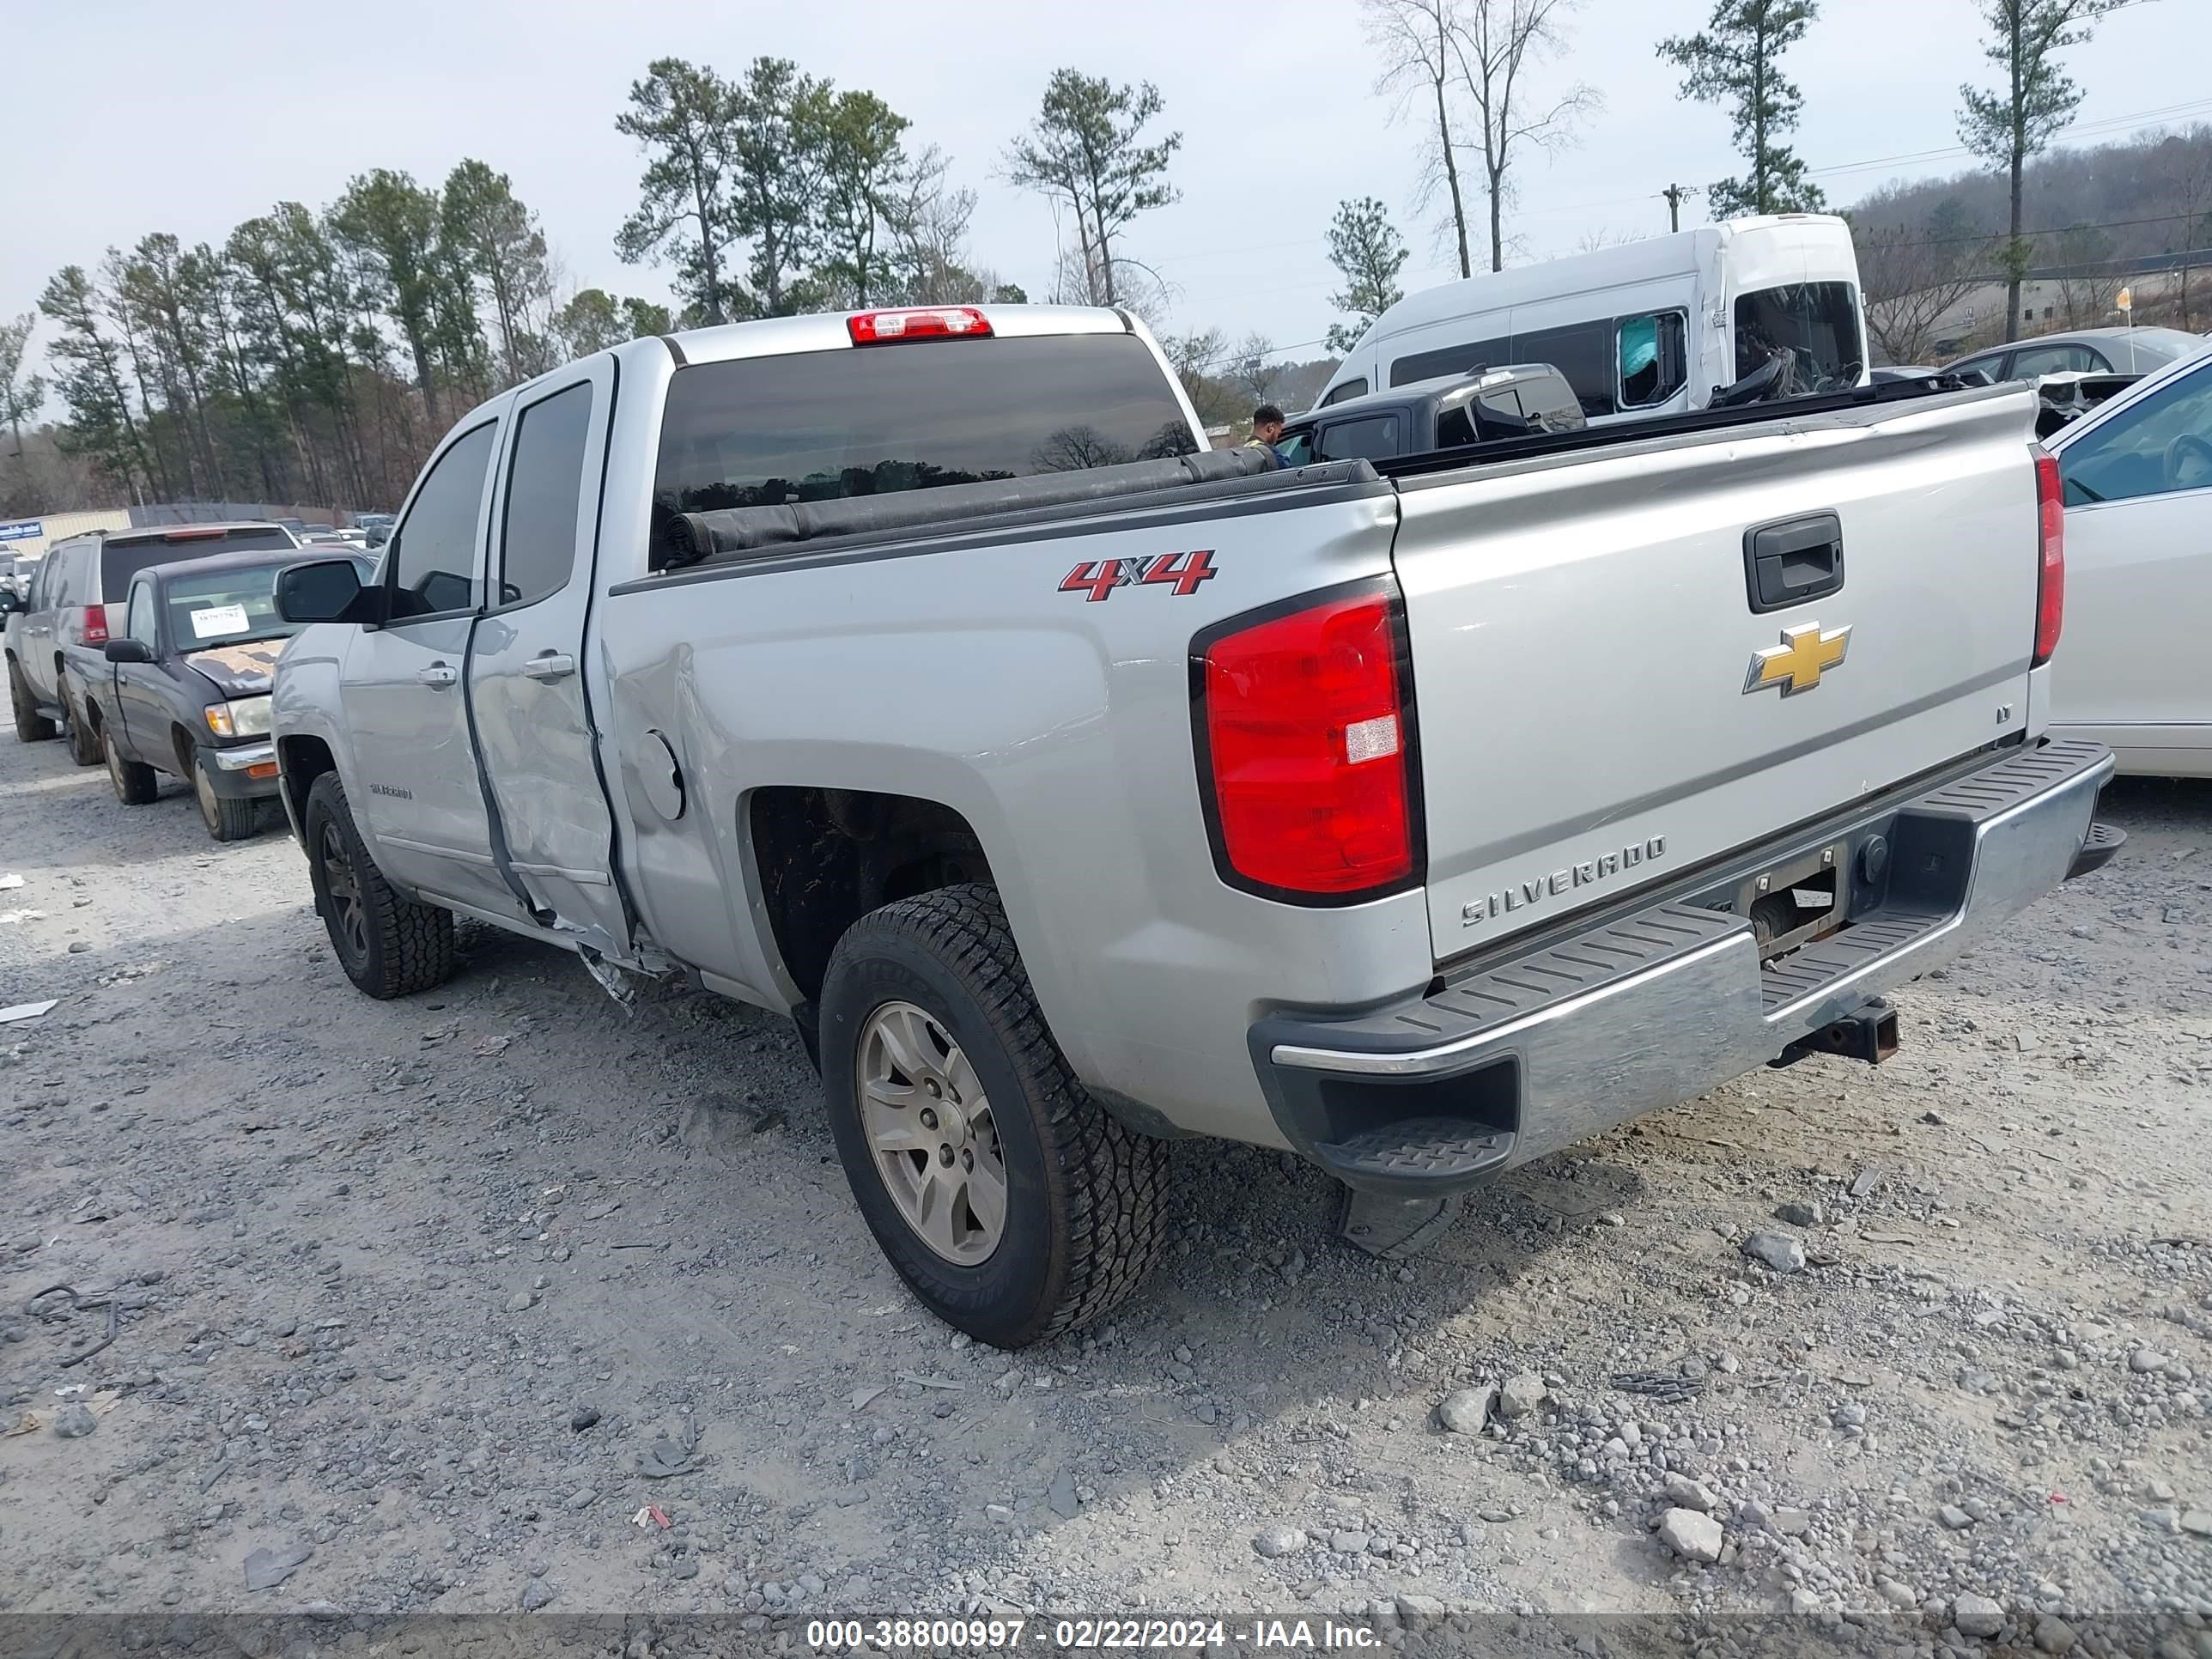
x=1435, y=1154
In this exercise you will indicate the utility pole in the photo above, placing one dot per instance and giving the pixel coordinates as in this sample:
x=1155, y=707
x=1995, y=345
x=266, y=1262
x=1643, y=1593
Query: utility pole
x=1675, y=195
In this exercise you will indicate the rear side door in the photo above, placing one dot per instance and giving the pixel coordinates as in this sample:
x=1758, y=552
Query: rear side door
x=533, y=717
x=415, y=790
x=2138, y=493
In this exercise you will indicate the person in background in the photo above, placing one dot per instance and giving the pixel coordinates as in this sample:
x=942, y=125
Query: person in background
x=1267, y=428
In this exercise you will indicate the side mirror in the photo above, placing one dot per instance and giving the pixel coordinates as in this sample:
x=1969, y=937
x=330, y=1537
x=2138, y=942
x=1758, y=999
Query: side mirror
x=127, y=651
x=10, y=602
x=326, y=590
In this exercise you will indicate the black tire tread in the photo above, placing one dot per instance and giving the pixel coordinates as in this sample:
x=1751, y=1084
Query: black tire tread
x=234, y=819
x=135, y=782
x=1116, y=1179
x=31, y=726
x=83, y=740
x=416, y=939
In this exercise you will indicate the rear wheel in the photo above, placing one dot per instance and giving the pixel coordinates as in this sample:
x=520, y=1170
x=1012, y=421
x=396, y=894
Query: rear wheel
x=31, y=726
x=1008, y=1199
x=389, y=945
x=83, y=741
x=134, y=781
x=227, y=818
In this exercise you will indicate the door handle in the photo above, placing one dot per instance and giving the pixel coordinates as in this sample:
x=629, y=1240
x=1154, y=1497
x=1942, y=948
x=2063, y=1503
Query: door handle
x=438, y=674
x=1791, y=563
x=550, y=665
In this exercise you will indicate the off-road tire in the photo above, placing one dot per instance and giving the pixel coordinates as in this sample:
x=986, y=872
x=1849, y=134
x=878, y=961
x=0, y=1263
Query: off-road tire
x=31, y=726
x=403, y=946
x=83, y=741
x=1086, y=1195
x=136, y=784
x=226, y=816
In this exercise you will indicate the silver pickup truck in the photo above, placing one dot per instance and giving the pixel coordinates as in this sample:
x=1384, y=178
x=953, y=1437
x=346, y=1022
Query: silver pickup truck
x=919, y=675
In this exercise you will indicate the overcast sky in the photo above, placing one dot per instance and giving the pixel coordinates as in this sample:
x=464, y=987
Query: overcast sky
x=131, y=116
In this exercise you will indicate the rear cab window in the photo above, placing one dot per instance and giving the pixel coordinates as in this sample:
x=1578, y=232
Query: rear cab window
x=122, y=557
x=878, y=420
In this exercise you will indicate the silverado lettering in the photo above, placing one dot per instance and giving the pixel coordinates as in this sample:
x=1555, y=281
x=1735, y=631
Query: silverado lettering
x=1584, y=874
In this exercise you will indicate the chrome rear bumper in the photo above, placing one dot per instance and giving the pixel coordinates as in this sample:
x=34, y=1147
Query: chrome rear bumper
x=1518, y=1057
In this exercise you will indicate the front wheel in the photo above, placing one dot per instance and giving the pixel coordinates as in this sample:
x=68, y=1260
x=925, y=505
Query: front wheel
x=83, y=741
x=226, y=816
x=31, y=726
x=1009, y=1201
x=389, y=947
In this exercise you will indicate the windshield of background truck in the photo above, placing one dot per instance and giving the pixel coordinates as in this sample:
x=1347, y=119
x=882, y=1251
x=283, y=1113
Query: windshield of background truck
x=824, y=425
x=1817, y=324
x=225, y=606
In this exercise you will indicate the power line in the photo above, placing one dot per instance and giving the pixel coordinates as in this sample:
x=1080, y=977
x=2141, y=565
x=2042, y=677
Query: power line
x=2060, y=230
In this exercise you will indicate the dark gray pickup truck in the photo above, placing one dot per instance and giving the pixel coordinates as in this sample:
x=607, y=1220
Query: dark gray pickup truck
x=186, y=689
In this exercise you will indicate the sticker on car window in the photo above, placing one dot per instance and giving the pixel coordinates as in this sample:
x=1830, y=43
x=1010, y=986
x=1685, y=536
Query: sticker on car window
x=215, y=619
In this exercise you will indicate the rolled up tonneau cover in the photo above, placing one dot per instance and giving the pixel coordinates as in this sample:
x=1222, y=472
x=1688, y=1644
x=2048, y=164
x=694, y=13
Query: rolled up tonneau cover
x=691, y=537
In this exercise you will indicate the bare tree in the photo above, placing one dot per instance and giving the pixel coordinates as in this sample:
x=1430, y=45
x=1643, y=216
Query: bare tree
x=20, y=394
x=1414, y=38
x=1494, y=45
x=1249, y=369
x=1913, y=276
x=2088, y=290
x=2189, y=171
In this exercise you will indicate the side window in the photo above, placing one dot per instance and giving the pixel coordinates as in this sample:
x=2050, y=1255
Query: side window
x=142, y=623
x=1296, y=448
x=63, y=591
x=2159, y=446
x=537, y=544
x=1583, y=352
x=433, y=556
x=1653, y=357
x=1450, y=360
x=1455, y=427
x=2031, y=361
x=41, y=579
x=1345, y=393
x=1374, y=439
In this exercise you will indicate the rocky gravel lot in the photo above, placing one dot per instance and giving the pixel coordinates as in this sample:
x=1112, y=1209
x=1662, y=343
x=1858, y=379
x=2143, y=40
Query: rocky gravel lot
x=508, y=1296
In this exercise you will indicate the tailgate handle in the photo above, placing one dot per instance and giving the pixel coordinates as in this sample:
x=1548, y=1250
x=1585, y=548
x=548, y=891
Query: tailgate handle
x=1794, y=561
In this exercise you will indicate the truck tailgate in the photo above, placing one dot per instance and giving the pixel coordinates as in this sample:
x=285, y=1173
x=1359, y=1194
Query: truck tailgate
x=1595, y=707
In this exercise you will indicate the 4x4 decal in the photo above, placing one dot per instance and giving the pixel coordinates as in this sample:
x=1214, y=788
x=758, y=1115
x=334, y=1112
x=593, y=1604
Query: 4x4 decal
x=1182, y=572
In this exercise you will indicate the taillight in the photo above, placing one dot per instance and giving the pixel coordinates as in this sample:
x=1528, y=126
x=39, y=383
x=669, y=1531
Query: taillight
x=96, y=624
x=918, y=323
x=1304, y=722
x=2050, y=580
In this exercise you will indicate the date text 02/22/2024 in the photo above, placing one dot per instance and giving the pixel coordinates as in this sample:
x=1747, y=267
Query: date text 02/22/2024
x=1084, y=1635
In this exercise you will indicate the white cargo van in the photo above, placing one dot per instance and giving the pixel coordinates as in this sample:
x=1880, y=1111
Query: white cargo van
x=1734, y=312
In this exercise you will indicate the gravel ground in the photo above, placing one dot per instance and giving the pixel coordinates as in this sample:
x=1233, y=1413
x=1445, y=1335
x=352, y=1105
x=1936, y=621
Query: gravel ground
x=506, y=1297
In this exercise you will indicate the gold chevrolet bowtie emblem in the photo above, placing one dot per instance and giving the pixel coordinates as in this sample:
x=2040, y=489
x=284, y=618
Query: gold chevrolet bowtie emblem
x=1798, y=662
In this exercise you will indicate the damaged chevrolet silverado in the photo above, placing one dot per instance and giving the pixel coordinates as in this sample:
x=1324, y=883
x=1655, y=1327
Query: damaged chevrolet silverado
x=918, y=675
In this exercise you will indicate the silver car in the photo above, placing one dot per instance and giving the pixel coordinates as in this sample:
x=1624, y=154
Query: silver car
x=2083, y=351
